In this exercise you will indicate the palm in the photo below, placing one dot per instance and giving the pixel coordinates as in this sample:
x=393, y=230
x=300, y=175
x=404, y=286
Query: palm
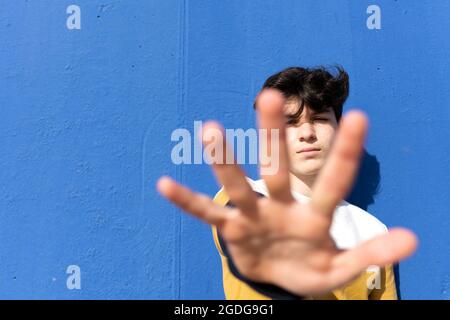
x=279, y=240
x=282, y=245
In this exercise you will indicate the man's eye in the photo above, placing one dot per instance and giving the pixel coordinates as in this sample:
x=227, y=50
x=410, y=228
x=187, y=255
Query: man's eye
x=320, y=119
x=290, y=121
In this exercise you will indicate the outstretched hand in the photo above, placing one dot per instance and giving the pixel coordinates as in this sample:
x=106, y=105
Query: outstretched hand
x=278, y=240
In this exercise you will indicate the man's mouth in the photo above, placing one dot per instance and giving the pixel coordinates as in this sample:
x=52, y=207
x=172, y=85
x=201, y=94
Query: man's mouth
x=308, y=150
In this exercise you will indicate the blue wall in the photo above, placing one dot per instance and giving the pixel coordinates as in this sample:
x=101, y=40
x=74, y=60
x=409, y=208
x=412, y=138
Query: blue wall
x=86, y=117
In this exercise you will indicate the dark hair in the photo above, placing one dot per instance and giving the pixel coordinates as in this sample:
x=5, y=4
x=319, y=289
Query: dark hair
x=316, y=87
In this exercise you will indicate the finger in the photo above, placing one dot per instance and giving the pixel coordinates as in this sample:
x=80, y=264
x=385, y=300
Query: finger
x=197, y=204
x=336, y=177
x=227, y=171
x=383, y=250
x=274, y=161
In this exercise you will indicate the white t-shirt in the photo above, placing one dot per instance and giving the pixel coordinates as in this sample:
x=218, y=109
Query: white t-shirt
x=351, y=225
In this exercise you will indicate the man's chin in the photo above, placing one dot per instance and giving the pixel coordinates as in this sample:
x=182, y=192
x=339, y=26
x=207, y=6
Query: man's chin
x=306, y=172
x=310, y=168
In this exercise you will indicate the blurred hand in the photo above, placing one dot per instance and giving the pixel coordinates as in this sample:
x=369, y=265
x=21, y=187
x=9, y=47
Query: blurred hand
x=278, y=240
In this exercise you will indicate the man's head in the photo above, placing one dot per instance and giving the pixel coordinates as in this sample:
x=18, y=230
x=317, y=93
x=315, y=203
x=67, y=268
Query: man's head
x=314, y=101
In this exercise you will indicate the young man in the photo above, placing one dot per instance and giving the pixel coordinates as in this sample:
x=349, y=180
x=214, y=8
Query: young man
x=290, y=235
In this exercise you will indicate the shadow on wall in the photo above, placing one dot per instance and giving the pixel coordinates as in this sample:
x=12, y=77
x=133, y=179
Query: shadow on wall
x=367, y=184
x=366, y=187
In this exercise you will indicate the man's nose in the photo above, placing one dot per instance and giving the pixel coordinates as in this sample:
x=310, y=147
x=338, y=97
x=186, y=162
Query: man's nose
x=306, y=132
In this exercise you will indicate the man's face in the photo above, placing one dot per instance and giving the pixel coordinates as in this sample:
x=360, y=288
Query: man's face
x=311, y=130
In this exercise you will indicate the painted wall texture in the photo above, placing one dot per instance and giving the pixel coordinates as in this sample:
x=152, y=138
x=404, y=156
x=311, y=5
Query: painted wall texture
x=90, y=94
